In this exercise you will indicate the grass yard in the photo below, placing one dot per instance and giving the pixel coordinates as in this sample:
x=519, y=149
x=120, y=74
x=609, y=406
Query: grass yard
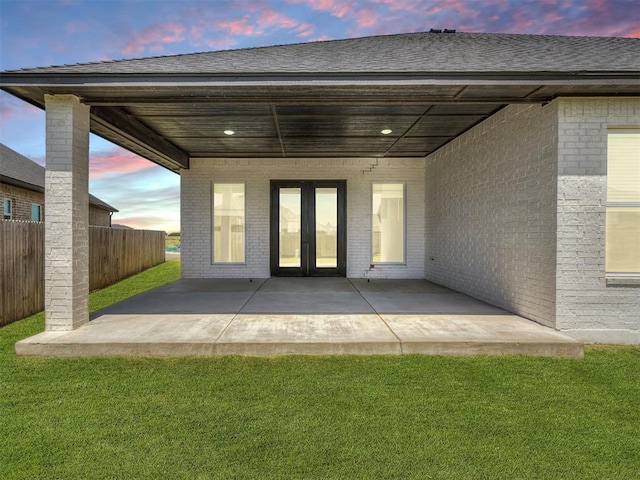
x=315, y=417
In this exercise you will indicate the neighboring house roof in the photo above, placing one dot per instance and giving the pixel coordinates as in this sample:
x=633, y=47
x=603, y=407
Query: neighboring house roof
x=330, y=99
x=409, y=52
x=20, y=171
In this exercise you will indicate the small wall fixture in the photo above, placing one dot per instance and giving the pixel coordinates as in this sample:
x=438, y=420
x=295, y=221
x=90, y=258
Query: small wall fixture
x=386, y=131
x=229, y=132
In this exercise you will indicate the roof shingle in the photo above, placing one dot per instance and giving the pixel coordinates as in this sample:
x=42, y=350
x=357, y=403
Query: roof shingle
x=402, y=53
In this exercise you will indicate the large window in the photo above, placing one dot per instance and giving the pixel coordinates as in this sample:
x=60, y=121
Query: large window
x=623, y=201
x=388, y=223
x=7, y=209
x=228, y=223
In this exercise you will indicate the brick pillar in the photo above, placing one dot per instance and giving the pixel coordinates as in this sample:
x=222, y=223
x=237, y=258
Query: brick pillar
x=67, y=213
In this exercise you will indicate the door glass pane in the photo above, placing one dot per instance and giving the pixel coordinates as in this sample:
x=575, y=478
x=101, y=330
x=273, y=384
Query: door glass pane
x=228, y=223
x=289, y=228
x=388, y=223
x=326, y=227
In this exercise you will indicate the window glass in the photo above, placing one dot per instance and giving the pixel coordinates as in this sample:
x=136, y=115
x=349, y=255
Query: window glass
x=326, y=227
x=290, y=200
x=228, y=223
x=36, y=212
x=388, y=223
x=623, y=201
x=7, y=208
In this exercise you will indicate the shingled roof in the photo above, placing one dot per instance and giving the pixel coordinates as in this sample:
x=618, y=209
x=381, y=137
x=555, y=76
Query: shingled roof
x=405, y=53
x=18, y=170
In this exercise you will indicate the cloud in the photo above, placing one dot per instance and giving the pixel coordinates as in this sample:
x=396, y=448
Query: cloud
x=115, y=163
x=148, y=198
x=263, y=22
x=366, y=18
x=12, y=109
x=337, y=8
x=154, y=37
x=144, y=222
x=239, y=26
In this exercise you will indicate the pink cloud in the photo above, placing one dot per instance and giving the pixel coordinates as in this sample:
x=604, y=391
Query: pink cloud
x=271, y=18
x=265, y=20
x=7, y=112
x=551, y=17
x=366, y=18
x=154, y=37
x=632, y=32
x=305, y=30
x=337, y=8
x=239, y=26
x=116, y=162
x=11, y=108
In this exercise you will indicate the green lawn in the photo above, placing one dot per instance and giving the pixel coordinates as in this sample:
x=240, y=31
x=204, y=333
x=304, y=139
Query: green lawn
x=315, y=417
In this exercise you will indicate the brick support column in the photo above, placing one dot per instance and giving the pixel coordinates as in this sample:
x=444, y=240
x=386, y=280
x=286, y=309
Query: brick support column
x=67, y=213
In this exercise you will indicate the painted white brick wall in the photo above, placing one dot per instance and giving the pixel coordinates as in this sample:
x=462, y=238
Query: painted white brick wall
x=490, y=212
x=196, y=214
x=588, y=308
x=66, y=279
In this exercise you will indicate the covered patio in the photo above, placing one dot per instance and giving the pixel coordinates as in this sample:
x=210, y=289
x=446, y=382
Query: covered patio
x=323, y=316
x=490, y=151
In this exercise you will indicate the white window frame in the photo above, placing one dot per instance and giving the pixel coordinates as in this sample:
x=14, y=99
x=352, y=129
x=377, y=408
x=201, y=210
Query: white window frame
x=614, y=277
x=404, y=221
x=213, y=225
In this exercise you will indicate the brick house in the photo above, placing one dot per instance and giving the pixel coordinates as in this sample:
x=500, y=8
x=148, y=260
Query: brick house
x=502, y=166
x=22, y=191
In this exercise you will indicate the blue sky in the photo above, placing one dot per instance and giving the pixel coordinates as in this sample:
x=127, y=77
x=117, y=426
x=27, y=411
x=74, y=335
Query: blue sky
x=53, y=32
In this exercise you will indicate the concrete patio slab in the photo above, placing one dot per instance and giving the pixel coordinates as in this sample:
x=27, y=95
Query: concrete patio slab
x=307, y=303
x=132, y=335
x=158, y=303
x=429, y=303
x=308, y=334
x=208, y=285
x=315, y=285
x=479, y=335
x=301, y=316
x=364, y=285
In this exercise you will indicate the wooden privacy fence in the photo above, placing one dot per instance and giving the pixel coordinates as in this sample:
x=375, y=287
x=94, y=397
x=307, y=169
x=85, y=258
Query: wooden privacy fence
x=117, y=253
x=114, y=254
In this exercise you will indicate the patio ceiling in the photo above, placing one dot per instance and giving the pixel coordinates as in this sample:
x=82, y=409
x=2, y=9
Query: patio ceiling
x=170, y=124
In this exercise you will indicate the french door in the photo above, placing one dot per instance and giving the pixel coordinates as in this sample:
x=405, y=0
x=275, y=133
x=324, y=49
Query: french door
x=308, y=228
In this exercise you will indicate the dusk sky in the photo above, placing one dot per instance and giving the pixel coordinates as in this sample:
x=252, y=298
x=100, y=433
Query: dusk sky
x=53, y=32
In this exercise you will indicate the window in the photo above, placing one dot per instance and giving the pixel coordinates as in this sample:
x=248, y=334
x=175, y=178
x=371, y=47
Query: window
x=228, y=223
x=388, y=223
x=623, y=202
x=36, y=212
x=7, y=209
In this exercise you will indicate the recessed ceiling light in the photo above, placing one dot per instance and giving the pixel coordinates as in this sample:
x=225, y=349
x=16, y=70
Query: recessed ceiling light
x=386, y=131
x=229, y=132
